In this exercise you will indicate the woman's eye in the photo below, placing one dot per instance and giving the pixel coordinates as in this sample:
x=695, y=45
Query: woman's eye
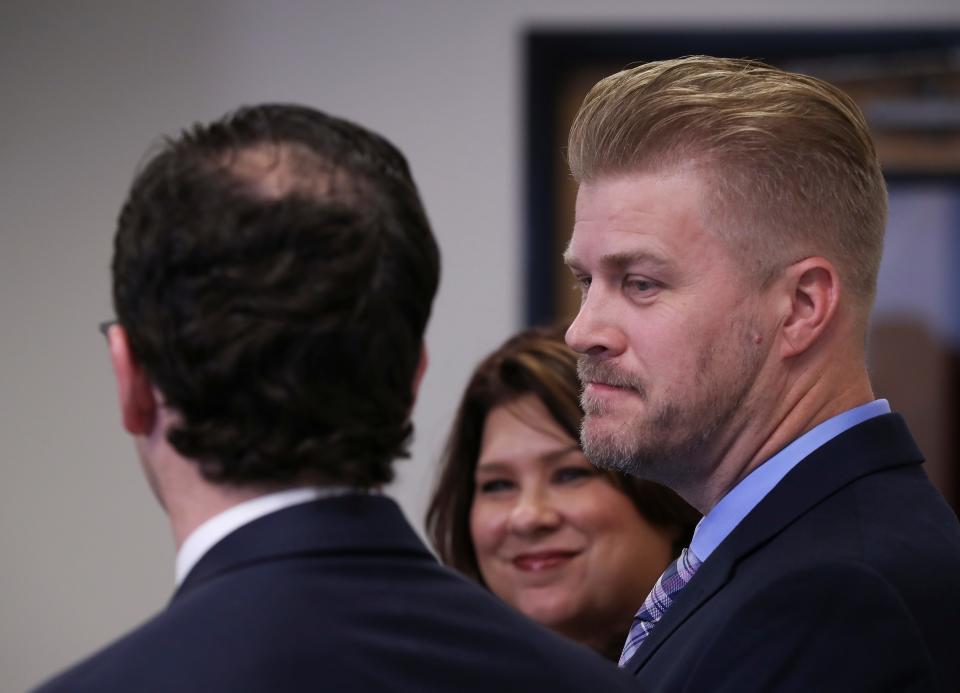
x=495, y=485
x=569, y=474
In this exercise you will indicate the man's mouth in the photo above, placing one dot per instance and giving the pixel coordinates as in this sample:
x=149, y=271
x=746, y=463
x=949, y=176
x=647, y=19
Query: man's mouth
x=601, y=387
x=601, y=377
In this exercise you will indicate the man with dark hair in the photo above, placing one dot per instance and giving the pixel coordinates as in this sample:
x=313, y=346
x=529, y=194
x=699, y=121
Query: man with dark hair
x=273, y=276
x=728, y=234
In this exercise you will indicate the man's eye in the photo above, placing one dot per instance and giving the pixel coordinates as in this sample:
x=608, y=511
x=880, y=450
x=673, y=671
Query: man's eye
x=582, y=284
x=640, y=286
x=495, y=485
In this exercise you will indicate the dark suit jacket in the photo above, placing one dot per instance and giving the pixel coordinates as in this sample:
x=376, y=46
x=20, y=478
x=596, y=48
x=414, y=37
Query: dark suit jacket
x=336, y=595
x=846, y=577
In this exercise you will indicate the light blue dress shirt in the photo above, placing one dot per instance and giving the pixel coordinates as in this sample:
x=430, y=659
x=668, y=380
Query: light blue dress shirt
x=717, y=524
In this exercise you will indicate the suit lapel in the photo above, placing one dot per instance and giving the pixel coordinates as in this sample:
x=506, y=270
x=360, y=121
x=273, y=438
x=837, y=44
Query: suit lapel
x=346, y=524
x=872, y=446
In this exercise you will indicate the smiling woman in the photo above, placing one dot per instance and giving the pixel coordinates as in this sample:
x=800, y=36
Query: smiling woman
x=521, y=510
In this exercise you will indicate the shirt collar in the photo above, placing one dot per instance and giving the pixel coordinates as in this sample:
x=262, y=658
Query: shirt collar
x=204, y=537
x=717, y=524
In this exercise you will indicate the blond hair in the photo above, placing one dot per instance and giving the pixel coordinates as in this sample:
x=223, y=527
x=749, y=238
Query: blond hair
x=789, y=163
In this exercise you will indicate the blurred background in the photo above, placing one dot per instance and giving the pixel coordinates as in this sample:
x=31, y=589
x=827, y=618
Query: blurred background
x=477, y=95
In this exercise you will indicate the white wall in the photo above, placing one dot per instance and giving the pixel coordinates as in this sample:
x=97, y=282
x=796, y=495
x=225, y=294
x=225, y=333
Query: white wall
x=84, y=552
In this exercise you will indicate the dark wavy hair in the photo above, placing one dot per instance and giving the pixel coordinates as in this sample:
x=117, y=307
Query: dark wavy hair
x=538, y=362
x=274, y=271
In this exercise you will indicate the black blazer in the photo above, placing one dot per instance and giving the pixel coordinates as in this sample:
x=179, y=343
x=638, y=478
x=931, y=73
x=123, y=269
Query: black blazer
x=336, y=595
x=846, y=577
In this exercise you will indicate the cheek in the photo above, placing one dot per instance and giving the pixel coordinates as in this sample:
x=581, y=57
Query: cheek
x=597, y=510
x=629, y=553
x=664, y=351
x=487, y=528
x=620, y=540
x=596, y=520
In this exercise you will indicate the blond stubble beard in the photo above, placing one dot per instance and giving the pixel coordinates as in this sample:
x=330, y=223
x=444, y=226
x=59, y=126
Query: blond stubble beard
x=668, y=441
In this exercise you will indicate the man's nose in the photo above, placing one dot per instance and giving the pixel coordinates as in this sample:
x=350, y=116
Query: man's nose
x=596, y=331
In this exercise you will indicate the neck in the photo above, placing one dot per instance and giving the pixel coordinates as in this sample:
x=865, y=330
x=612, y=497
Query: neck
x=186, y=496
x=769, y=424
x=607, y=643
x=191, y=509
x=612, y=648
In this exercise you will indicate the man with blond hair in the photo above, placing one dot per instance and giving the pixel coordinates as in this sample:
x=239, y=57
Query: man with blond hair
x=729, y=227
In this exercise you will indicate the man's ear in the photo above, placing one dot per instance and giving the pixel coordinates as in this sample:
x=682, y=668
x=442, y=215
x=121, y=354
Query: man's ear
x=138, y=405
x=421, y=369
x=813, y=285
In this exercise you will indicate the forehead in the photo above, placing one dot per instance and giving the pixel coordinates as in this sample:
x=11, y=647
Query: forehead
x=522, y=427
x=663, y=213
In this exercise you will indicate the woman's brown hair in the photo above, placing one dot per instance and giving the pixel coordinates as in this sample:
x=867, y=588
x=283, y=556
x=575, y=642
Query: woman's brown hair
x=538, y=362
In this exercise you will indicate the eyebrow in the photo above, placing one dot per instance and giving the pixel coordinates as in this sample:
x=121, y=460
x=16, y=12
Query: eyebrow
x=497, y=467
x=622, y=260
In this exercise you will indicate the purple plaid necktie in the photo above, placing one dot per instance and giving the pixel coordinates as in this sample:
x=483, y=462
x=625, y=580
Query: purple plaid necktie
x=674, y=578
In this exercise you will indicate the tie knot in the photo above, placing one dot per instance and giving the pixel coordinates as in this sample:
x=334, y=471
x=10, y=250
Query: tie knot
x=678, y=574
